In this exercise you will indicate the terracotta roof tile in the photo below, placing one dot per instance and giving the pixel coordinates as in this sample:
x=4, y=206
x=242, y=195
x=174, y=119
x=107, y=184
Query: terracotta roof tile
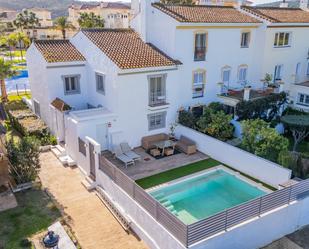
x=60, y=105
x=279, y=15
x=58, y=51
x=205, y=14
x=126, y=49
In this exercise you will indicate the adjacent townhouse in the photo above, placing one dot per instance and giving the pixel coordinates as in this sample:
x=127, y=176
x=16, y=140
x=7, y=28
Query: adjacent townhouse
x=115, y=15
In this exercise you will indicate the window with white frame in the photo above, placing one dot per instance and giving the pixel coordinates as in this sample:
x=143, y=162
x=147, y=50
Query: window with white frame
x=278, y=73
x=36, y=106
x=71, y=84
x=282, y=39
x=242, y=74
x=198, y=83
x=200, y=47
x=307, y=69
x=245, y=39
x=157, y=89
x=303, y=99
x=156, y=121
x=100, y=83
x=226, y=75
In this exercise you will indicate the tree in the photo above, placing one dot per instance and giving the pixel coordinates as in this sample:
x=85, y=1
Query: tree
x=26, y=20
x=22, y=40
x=263, y=141
x=10, y=41
x=90, y=20
x=62, y=24
x=24, y=158
x=298, y=125
x=6, y=71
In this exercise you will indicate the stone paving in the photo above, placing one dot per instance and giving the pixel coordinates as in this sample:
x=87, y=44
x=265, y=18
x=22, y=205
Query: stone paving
x=93, y=225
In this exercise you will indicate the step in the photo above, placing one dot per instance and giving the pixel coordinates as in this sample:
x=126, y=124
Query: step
x=166, y=203
x=67, y=160
x=60, y=148
x=88, y=184
x=174, y=212
x=56, y=152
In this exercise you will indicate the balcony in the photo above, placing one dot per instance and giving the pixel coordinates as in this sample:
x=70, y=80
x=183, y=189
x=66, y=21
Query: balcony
x=157, y=101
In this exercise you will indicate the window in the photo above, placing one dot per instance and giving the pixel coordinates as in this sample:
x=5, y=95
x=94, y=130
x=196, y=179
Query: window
x=278, y=73
x=100, y=83
x=200, y=47
x=156, y=121
x=198, y=83
x=282, y=39
x=303, y=99
x=36, y=106
x=242, y=74
x=226, y=74
x=157, y=95
x=71, y=84
x=308, y=69
x=245, y=38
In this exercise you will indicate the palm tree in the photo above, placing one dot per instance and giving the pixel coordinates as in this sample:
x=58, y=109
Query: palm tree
x=6, y=71
x=62, y=24
x=26, y=20
x=90, y=20
x=23, y=41
x=10, y=41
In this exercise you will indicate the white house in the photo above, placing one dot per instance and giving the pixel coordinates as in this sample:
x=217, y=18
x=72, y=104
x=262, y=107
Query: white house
x=175, y=56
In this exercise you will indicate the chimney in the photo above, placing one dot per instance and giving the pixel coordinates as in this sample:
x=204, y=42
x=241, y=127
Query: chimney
x=284, y=4
x=303, y=4
x=247, y=93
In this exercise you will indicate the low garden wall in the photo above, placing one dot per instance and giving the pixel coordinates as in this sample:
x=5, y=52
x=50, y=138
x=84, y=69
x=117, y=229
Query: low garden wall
x=257, y=167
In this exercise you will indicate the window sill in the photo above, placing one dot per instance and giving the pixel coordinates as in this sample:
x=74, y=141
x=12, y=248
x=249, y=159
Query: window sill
x=282, y=46
x=244, y=47
x=195, y=60
x=71, y=93
x=301, y=104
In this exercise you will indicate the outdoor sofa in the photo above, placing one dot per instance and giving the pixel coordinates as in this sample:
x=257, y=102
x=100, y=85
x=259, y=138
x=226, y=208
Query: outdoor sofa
x=186, y=145
x=149, y=141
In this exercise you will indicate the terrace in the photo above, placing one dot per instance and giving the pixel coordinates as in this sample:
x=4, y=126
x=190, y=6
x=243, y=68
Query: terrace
x=149, y=165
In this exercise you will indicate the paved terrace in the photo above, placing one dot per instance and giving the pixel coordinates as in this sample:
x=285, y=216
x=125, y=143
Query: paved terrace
x=150, y=166
x=92, y=223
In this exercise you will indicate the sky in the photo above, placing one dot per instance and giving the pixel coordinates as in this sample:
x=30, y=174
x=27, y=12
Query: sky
x=255, y=1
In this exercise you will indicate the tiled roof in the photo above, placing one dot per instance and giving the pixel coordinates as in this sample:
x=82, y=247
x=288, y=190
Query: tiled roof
x=58, y=51
x=60, y=105
x=205, y=14
x=279, y=15
x=126, y=49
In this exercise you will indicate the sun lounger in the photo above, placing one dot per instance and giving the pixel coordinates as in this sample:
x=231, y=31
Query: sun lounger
x=122, y=157
x=126, y=149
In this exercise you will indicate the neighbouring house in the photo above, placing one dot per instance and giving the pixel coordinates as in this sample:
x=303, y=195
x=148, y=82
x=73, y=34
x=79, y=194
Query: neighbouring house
x=115, y=14
x=44, y=16
x=7, y=15
x=107, y=86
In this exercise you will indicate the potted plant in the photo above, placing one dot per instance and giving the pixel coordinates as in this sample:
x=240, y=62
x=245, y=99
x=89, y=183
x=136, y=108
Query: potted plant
x=268, y=81
x=172, y=131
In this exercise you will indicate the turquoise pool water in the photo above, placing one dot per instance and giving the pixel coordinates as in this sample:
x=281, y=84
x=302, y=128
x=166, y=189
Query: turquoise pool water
x=204, y=195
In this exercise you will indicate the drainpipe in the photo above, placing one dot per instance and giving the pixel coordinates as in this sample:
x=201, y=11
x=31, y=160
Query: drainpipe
x=247, y=90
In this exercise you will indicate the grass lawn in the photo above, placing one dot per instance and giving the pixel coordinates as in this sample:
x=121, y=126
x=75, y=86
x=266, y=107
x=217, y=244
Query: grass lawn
x=173, y=174
x=13, y=97
x=35, y=212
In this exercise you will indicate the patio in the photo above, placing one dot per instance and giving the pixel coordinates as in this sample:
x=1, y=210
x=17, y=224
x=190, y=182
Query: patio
x=148, y=165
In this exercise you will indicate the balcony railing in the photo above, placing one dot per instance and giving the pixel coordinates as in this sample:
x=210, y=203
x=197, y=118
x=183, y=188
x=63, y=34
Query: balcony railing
x=157, y=99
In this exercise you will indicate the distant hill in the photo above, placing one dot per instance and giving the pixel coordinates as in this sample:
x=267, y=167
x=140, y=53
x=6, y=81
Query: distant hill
x=292, y=4
x=58, y=7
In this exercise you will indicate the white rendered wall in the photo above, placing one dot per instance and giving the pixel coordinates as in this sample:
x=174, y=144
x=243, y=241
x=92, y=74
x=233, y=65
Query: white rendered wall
x=257, y=167
x=294, y=91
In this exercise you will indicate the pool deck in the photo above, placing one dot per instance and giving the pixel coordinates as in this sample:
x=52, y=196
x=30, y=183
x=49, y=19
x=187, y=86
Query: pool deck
x=148, y=165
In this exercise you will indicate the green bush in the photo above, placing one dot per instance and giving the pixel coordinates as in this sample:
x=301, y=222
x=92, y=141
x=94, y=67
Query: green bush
x=186, y=118
x=261, y=140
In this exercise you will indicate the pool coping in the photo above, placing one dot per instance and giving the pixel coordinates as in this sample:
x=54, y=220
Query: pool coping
x=222, y=167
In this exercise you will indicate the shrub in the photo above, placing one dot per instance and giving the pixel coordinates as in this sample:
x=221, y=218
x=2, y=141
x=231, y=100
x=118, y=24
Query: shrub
x=186, y=118
x=263, y=141
x=220, y=126
x=24, y=159
x=266, y=108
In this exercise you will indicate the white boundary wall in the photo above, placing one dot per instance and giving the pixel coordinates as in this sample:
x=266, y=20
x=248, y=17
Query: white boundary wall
x=257, y=167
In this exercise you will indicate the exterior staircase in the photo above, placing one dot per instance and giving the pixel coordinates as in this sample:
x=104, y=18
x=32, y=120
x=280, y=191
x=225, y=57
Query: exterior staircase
x=60, y=153
x=88, y=183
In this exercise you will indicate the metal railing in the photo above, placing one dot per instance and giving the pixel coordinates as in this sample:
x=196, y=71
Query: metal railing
x=157, y=98
x=202, y=229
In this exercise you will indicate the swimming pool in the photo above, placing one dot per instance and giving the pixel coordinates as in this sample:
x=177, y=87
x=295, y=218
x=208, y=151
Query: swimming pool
x=204, y=195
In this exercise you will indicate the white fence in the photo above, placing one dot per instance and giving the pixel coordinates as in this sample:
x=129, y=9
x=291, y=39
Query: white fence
x=257, y=167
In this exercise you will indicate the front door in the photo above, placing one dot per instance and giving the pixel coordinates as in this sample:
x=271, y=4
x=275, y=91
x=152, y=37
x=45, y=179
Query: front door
x=92, y=161
x=101, y=131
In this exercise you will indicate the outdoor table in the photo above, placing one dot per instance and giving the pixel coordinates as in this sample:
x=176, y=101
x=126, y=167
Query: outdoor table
x=164, y=144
